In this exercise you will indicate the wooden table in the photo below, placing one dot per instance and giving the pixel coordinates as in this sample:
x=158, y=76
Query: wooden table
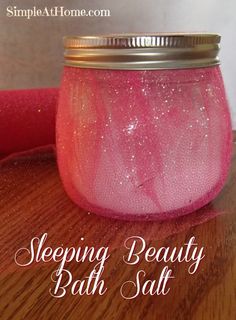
x=33, y=202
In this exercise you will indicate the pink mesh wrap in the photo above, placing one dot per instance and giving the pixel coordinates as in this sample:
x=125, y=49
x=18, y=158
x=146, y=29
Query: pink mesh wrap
x=143, y=144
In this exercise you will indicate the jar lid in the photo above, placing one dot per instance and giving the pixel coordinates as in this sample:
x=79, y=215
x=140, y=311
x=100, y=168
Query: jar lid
x=143, y=51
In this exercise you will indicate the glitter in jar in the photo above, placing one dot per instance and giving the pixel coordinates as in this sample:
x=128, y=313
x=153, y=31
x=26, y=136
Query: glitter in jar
x=132, y=140
x=143, y=135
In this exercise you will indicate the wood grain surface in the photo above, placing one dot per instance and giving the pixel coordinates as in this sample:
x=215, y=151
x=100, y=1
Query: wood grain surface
x=32, y=202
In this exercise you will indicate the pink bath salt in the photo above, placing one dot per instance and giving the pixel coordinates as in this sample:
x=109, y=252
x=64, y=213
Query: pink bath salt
x=143, y=144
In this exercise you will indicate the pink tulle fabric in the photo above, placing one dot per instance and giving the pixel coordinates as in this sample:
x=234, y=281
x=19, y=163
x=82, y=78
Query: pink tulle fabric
x=143, y=144
x=27, y=119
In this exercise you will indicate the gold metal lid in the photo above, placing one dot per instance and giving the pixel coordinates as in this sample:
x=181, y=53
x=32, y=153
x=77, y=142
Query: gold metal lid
x=143, y=51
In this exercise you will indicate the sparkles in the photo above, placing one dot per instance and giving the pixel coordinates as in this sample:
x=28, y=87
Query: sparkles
x=131, y=127
x=144, y=91
x=149, y=142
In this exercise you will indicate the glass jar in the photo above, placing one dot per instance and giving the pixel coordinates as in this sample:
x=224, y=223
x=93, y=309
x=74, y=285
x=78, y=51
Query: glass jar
x=143, y=124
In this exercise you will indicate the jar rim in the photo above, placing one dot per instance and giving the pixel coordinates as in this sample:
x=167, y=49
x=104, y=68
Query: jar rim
x=143, y=51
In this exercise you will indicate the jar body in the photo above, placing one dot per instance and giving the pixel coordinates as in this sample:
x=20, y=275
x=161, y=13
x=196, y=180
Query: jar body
x=143, y=144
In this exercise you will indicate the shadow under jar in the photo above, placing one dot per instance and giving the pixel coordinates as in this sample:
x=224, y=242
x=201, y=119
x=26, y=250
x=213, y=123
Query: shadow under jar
x=143, y=125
